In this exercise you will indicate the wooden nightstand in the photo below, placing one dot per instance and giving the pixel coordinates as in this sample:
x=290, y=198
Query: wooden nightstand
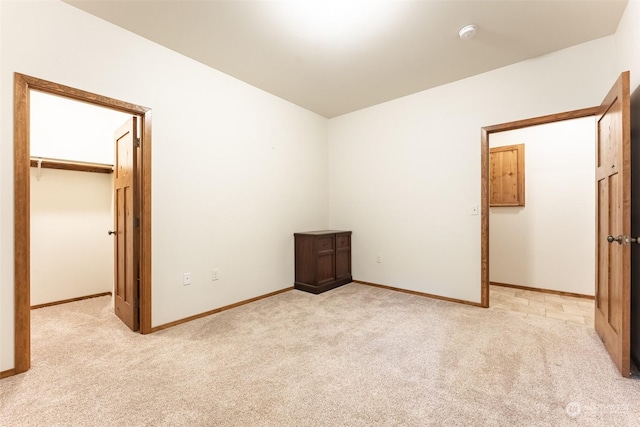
x=323, y=260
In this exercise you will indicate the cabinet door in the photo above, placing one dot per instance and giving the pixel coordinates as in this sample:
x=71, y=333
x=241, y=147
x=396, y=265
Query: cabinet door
x=343, y=256
x=325, y=264
x=506, y=176
x=325, y=269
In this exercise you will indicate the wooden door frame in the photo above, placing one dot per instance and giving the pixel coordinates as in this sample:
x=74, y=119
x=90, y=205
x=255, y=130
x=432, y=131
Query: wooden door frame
x=22, y=286
x=484, y=181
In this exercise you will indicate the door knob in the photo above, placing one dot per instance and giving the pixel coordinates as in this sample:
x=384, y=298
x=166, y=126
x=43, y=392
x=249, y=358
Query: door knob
x=626, y=240
x=612, y=239
x=629, y=240
x=111, y=232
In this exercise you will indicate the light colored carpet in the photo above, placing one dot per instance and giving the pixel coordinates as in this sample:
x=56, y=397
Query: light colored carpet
x=354, y=356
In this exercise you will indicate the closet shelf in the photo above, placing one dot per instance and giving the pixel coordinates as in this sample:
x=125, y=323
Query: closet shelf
x=71, y=165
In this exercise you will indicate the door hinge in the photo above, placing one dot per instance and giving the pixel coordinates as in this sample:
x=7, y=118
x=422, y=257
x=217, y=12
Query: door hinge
x=136, y=222
x=136, y=143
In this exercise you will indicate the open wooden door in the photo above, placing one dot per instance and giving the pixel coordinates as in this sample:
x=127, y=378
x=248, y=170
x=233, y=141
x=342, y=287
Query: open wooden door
x=126, y=224
x=613, y=223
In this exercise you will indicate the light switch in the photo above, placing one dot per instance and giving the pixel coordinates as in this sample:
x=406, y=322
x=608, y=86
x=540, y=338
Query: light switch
x=474, y=210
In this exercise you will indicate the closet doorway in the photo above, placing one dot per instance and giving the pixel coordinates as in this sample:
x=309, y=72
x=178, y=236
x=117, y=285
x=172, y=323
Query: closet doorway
x=132, y=229
x=71, y=199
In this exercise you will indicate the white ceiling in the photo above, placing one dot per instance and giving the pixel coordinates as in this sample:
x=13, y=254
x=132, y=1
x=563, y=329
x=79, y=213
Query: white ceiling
x=389, y=49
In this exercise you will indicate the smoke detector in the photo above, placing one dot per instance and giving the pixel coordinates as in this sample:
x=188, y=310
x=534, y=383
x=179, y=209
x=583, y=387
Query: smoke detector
x=468, y=32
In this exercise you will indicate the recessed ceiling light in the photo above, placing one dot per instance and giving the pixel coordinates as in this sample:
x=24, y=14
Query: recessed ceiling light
x=468, y=32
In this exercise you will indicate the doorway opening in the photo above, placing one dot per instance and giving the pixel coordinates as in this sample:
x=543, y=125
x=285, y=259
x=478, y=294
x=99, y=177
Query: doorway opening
x=23, y=85
x=485, y=180
x=71, y=200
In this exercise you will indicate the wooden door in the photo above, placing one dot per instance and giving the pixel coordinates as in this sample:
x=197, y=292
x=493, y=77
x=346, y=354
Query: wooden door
x=126, y=224
x=613, y=223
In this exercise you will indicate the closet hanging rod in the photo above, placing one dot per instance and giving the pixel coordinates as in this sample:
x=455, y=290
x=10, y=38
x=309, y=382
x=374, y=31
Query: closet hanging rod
x=71, y=165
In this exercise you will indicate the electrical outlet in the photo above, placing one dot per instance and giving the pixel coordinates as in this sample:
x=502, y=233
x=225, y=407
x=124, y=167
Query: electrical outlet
x=215, y=274
x=186, y=279
x=378, y=259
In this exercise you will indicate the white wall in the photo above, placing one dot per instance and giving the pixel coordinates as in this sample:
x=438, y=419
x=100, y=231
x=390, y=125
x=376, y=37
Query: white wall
x=405, y=174
x=235, y=172
x=71, y=252
x=6, y=321
x=548, y=243
x=627, y=40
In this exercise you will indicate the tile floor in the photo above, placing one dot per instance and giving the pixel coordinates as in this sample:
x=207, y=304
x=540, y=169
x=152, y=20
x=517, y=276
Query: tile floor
x=575, y=311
